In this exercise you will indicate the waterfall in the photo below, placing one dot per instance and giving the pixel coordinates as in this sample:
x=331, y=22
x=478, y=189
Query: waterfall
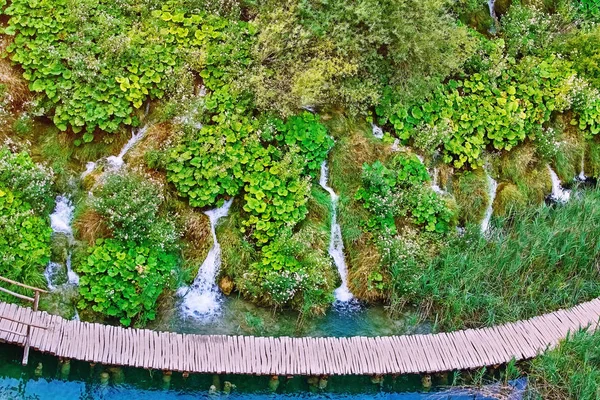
x=203, y=298
x=336, y=245
x=116, y=162
x=434, y=182
x=60, y=221
x=581, y=177
x=492, y=187
x=559, y=194
x=492, y=7
x=377, y=131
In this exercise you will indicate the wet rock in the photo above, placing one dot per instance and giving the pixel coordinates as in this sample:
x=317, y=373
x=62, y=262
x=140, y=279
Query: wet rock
x=323, y=382
x=212, y=390
x=104, y=378
x=65, y=369
x=39, y=370
x=274, y=383
x=226, y=285
x=228, y=387
x=167, y=380
x=426, y=381
x=117, y=374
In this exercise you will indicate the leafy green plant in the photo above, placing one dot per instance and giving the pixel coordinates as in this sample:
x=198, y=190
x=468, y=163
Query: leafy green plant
x=25, y=239
x=496, y=109
x=390, y=193
x=123, y=279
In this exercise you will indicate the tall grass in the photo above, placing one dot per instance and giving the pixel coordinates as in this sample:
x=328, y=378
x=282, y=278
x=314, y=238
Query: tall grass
x=536, y=261
x=571, y=371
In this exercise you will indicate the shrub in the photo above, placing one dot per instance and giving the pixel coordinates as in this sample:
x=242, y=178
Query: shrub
x=390, y=193
x=124, y=280
x=130, y=206
x=31, y=181
x=25, y=202
x=25, y=239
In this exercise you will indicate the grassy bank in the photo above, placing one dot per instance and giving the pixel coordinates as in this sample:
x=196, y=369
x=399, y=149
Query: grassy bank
x=571, y=371
x=536, y=261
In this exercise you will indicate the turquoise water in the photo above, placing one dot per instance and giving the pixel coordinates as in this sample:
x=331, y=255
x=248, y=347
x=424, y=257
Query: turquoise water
x=78, y=380
x=240, y=317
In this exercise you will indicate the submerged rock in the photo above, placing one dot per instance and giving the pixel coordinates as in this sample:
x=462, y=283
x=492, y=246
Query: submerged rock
x=274, y=383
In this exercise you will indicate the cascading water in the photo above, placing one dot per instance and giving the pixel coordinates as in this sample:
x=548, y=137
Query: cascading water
x=492, y=187
x=336, y=245
x=203, y=298
x=60, y=221
x=434, y=182
x=559, y=194
x=581, y=177
x=492, y=7
x=377, y=131
x=116, y=162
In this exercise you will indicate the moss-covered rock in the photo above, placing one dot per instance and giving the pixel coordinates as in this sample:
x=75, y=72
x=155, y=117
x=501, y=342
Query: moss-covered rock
x=470, y=189
x=508, y=197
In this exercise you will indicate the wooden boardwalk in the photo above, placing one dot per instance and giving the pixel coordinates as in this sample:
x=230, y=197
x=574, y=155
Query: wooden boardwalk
x=467, y=349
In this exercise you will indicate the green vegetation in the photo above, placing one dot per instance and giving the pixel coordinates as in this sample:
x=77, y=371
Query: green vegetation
x=124, y=280
x=571, y=371
x=24, y=205
x=538, y=260
x=246, y=100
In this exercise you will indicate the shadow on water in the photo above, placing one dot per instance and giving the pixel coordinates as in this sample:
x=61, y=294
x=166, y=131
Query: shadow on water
x=47, y=379
x=240, y=317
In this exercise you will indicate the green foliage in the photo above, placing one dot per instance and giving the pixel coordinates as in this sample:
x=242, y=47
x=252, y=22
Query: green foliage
x=390, y=193
x=499, y=109
x=124, y=280
x=134, y=53
x=588, y=9
x=583, y=48
x=337, y=53
x=572, y=370
x=130, y=205
x=30, y=181
x=25, y=240
x=25, y=201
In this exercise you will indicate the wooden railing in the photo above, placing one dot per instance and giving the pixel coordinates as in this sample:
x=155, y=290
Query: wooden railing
x=35, y=300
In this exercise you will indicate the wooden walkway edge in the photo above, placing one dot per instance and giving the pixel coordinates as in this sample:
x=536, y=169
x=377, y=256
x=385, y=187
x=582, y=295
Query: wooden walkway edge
x=143, y=348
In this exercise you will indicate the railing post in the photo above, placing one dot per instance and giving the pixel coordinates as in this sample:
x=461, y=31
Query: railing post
x=36, y=301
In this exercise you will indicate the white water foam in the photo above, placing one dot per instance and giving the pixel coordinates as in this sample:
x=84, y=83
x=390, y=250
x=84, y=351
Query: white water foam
x=116, y=162
x=581, y=177
x=492, y=187
x=434, y=182
x=202, y=300
x=61, y=222
x=336, y=244
x=377, y=131
x=559, y=194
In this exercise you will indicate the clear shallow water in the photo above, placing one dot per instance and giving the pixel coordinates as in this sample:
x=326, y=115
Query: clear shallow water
x=240, y=317
x=81, y=381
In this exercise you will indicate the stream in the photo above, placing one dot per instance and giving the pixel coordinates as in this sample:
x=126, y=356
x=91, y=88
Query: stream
x=60, y=272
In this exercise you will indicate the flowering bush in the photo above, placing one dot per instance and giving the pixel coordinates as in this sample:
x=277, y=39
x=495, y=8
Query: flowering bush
x=25, y=201
x=25, y=239
x=130, y=205
x=124, y=280
x=31, y=181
